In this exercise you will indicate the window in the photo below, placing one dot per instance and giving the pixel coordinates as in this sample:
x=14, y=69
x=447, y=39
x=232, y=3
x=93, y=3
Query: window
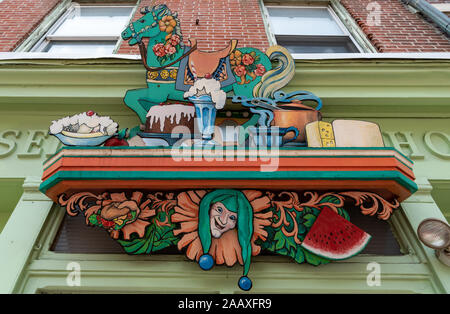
x=310, y=30
x=77, y=238
x=86, y=29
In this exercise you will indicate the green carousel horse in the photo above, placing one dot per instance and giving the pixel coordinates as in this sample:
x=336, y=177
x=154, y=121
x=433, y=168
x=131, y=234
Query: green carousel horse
x=172, y=67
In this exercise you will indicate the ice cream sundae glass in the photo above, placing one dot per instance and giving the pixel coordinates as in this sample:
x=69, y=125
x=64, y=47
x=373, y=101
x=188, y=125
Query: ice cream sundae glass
x=207, y=98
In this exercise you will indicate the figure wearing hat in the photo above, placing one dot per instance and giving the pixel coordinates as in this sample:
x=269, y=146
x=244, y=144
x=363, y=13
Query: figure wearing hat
x=219, y=212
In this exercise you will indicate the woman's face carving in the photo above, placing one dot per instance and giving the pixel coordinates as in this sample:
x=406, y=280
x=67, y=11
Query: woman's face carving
x=221, y=219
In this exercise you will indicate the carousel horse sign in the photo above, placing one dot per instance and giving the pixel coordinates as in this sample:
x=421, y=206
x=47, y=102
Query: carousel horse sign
x=223, y=211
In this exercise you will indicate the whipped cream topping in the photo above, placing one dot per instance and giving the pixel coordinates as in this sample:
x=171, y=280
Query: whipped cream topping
x=84, y=123
x=209, y=87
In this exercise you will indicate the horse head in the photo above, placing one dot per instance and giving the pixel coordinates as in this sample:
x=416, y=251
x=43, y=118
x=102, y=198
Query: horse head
x=148, y=25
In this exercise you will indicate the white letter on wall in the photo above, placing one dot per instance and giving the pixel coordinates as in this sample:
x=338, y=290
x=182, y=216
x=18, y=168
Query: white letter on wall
x=407, y=143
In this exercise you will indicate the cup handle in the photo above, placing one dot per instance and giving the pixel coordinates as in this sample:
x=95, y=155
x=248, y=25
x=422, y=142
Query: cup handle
x=291, y=129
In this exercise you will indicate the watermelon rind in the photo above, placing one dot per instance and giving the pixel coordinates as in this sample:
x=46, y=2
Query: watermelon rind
x=326, y=254
x=330, y=220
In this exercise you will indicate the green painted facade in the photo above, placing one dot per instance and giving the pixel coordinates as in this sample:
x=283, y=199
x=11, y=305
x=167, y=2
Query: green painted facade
x=409, y=99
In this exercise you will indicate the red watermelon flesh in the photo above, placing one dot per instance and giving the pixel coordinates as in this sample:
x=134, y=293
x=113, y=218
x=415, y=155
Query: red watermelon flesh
x=334, y=237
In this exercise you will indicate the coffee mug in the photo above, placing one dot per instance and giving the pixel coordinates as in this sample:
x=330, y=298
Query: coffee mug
x=271, y=136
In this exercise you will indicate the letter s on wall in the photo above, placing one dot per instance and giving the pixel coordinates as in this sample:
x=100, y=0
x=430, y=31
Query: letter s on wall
x=9, y=143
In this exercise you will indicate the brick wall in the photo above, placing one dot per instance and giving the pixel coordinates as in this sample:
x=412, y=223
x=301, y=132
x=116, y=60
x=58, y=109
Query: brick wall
x=399, y=29
x=219, y=21
x=19, y=18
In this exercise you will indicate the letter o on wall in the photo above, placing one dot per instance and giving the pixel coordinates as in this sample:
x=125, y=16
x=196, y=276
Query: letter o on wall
x=432, y=147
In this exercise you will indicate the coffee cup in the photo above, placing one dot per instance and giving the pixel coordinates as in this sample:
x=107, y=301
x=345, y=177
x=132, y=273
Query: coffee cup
x=270, y=136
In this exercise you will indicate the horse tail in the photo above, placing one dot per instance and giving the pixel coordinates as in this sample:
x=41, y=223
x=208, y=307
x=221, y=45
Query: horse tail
x=279, y=76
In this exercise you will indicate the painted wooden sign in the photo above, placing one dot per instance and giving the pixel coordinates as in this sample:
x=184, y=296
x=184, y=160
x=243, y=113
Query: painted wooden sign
x=187, y=87
x=219, y=209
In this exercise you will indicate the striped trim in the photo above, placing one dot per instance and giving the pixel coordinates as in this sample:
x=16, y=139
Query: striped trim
x=229, y=175
x=297, y=152
x=48, y=166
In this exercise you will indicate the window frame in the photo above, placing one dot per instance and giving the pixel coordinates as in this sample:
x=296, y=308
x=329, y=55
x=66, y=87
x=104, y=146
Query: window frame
x=48, y=38
x=339, y=13
x=329, y=9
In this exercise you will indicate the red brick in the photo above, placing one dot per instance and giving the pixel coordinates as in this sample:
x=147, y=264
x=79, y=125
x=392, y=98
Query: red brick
x=400, y=30
x=20, y=18
x=220, y=21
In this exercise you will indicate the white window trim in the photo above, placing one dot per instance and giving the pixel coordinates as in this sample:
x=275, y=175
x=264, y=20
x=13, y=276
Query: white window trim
x=353, y=28
x=43, y=28
x=443, y=7
x=266, y=20
x=40, y=45
x=343, y=19
x=330, y=11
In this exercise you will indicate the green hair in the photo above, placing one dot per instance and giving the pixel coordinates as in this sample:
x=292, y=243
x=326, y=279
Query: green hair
x=236, y=202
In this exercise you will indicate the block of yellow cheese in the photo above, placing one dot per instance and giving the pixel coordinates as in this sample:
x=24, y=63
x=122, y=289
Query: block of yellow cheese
x=320, y=134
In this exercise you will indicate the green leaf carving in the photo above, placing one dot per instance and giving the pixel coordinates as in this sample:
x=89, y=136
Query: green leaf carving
x=342, y=212
x=93, y=219
x=309, y=220
x=278, y=242
x=314, y=259
x=311, y=210
x=299, y=256
x=330, y=199
x=158, y=235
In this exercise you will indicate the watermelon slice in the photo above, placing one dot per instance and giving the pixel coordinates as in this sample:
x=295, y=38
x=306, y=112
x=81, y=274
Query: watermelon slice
x=334, y=237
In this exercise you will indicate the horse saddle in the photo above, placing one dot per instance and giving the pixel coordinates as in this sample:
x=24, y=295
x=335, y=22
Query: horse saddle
x=200, y=64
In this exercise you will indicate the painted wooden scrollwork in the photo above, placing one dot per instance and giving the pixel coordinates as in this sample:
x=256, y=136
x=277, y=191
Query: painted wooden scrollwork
x=228, y=226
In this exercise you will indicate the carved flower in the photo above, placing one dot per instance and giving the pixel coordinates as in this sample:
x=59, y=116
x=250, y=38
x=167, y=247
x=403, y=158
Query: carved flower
x=260, y=70
x=173, y=74
x=167, y=24
x=164, y=74
x=169, y=49
x=235, y=58
x=175, y=40
x=240, y=70
x=226, y=249
x=159, y=50
x=152, y=75
x=112, y=211
x=247, y=59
